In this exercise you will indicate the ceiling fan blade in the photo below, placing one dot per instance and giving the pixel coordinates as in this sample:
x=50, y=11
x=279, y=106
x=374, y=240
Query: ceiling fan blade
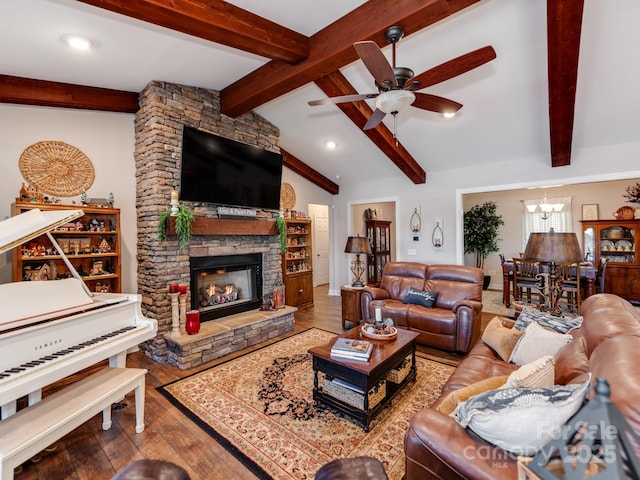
x=343, y=99
x=455, y=67
x=375, y=118
x=433, y=103
x=376, y=63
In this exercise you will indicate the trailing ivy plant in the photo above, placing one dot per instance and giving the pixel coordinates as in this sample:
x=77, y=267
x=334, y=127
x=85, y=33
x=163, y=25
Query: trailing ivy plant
x=282, y=232
x=184, y=219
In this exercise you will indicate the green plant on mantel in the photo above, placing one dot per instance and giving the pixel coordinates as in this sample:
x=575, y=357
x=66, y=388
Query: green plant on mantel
x=282, y=233
x=184, y=219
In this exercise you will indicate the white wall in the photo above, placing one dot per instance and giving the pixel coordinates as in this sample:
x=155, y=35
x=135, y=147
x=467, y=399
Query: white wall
x=441, y=195
x=106, y=138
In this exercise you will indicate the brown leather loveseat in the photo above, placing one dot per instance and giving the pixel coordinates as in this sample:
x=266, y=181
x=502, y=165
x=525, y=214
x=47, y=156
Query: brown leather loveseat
x=607, y=344
x=453, y=321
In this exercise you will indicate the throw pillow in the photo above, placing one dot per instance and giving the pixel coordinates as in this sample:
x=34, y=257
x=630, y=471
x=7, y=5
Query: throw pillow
x=450, y=402
x=537, y=342
x=421, y=297
x=539, y=373
x=500, y=338
x=546, y=320
x=521, y=420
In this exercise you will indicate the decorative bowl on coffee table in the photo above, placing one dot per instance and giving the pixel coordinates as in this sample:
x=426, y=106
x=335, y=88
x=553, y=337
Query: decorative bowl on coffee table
x=380, y=336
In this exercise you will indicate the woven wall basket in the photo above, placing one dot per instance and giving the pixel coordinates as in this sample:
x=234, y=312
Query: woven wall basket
x=287, y=196
x=57, y=168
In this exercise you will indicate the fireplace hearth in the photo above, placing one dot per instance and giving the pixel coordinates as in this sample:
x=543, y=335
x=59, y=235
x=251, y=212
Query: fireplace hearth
x=223, y=285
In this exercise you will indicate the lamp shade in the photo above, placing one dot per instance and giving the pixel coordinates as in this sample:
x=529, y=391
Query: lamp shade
x=553, y=247
x=357, y=245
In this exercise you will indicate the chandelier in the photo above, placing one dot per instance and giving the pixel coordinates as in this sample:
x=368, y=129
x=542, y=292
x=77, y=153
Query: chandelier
x=545, y=208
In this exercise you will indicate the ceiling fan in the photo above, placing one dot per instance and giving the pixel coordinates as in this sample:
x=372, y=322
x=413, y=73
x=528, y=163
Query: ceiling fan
x=396, y=85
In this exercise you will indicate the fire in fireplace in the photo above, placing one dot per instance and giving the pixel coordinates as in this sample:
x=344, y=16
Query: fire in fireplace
x=225, y=284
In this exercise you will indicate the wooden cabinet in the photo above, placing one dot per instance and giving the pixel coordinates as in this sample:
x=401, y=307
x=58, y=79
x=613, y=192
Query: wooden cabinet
x=379, y=236
x=297, y=266
x=617, y=241
x=91, y=243
x=351, y=311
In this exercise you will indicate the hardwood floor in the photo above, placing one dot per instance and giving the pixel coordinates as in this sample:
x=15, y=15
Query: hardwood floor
x=93, y=454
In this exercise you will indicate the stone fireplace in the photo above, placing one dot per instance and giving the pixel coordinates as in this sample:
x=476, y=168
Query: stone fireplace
x=164, y=109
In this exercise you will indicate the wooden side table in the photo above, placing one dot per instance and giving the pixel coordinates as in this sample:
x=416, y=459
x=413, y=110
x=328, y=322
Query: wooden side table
x=350, y=305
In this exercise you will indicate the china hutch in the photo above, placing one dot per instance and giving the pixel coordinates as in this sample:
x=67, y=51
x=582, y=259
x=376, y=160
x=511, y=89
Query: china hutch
x=91, y=243
x=617, y=242
x=378, y=233
x=297, y=267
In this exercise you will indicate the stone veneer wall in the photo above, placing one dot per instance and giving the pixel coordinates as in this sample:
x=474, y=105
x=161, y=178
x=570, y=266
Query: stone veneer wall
x=164, y=109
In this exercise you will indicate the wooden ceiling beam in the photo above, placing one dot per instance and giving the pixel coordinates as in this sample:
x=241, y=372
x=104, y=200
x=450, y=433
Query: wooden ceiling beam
x=335, y=84
x=332, y=48
x=564, y=26
x=28, y=91
x=216, y=21
x=309, y=173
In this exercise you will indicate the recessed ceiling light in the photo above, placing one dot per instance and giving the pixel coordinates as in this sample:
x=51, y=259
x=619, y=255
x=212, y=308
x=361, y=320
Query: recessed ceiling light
x=449, y=114
x=330, y=144
x=77, y=42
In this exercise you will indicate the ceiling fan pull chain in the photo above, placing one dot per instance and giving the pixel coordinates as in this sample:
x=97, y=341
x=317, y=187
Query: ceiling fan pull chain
x=395, y=129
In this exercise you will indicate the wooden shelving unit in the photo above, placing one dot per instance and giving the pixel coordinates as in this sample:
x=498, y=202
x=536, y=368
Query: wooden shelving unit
x=297, y=265
x=91, y=243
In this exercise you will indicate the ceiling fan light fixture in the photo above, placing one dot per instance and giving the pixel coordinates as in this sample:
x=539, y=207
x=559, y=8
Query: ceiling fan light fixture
x=449, y=114
x=394, y=101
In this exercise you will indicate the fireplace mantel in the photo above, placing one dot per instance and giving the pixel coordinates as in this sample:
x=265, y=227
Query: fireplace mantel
x=226, y=226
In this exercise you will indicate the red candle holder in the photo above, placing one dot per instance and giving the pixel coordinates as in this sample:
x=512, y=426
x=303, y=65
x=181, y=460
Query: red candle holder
x=192, y=325
x=173, y=288
x=183, y=288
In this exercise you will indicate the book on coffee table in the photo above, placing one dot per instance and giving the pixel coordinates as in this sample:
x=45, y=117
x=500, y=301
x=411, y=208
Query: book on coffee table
x=352, y=348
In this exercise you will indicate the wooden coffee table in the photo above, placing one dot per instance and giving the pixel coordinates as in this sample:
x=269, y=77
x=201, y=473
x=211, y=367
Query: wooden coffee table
x=388, y=356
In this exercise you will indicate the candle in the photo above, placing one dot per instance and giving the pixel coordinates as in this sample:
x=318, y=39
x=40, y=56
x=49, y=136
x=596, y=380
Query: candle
x=173, y=288
x=192, y=325
x=183, y=288
x=378, y=311
x=174, y=196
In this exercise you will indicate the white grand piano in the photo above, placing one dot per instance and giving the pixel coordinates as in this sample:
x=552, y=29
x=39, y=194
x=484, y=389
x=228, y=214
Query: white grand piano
x=52, y=329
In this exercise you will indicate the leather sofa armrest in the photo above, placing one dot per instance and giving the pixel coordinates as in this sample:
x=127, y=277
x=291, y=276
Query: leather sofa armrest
x=468, y=323
x=368, y=295
x=438, y=447
x=474, y=305
x=376, y=293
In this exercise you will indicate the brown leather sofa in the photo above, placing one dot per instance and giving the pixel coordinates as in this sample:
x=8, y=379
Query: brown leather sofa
x=453, y=323
x=607, y=344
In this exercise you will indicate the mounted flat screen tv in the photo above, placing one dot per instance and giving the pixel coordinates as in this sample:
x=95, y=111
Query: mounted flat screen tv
x=225, y=172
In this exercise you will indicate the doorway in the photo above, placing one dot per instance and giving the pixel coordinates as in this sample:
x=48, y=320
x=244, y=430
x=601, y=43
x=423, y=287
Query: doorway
x=320, y=243
x=384, y=210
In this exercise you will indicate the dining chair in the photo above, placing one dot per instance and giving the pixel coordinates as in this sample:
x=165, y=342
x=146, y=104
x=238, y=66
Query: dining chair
x=525, y=279
x=568, y=274
x=600, y=275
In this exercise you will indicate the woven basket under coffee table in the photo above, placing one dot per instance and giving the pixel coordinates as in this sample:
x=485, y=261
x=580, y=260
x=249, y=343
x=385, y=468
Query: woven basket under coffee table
x=361, y=389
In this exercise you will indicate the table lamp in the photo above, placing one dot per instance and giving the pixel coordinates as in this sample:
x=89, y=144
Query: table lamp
x=552, y=248
x=357, y=245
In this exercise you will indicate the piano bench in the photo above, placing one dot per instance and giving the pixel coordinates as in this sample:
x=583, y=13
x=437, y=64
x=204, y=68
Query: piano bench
x=34, y=428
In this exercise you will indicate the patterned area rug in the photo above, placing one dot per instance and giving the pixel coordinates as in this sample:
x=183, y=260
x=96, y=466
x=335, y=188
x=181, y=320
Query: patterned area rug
x=260, y=407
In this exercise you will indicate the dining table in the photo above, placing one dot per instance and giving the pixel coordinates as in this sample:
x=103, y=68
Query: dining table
x=588, y=272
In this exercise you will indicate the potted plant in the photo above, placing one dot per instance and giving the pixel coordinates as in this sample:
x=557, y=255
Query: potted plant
x=481, y=224
x=184, y=219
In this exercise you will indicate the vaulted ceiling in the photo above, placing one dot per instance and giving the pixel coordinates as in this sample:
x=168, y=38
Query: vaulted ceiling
x=272, y=57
